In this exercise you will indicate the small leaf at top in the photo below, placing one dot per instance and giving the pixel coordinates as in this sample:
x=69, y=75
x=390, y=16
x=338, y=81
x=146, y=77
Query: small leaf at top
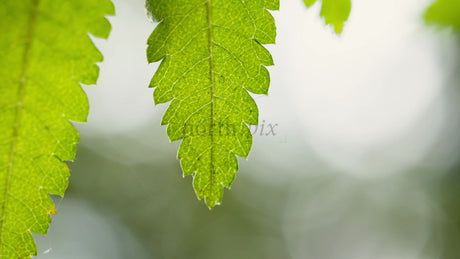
x=445, y=12
x=335, y=12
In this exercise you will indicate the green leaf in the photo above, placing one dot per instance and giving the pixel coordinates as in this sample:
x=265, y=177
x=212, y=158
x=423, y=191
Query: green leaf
x=445, y=12
x=45, y=52
x=212, y=56
x=335, y=12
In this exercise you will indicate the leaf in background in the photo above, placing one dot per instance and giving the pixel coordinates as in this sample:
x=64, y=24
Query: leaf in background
x=45, y=52
x=445, y=12
x=211, y=56
x=335, y=12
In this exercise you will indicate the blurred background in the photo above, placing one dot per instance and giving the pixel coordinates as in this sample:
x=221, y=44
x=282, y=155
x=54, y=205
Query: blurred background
x=364, y=160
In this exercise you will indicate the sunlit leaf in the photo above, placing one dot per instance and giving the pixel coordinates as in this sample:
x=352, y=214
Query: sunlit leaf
x=211, y=56
x=335, y=12
x=45, y=52
x=445, y=12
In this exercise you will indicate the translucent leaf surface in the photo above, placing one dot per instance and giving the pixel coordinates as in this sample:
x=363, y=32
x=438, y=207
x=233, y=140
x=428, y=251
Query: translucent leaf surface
x=211, y=56
x=335, y=12
x=45, y=52
x=445, y=12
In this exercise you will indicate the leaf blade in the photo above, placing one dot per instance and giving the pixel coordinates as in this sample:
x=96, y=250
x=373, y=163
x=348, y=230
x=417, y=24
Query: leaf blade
x=211, y=56
x=44, y=55
x=444, y=12
x=335, y=12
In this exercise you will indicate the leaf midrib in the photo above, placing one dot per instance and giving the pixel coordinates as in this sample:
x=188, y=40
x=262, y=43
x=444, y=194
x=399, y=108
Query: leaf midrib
x=211, y=74
x=19, y=108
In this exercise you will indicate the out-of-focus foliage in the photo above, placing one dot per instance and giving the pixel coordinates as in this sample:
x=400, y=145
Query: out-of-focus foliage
x=298, y=217
x=153, y=201
x=445, y=12
x=335, y=12
x=45, y=53
x=212, y=56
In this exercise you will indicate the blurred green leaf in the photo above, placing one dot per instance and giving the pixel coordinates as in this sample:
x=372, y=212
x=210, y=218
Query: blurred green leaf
x=335, y=12
x=212, y=56
x=45, y=52
x=444, y=12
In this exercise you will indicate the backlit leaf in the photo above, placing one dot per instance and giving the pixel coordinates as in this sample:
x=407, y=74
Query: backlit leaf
x=211, y=56
x=335, y=12
x=45, y=53
x=445, y=12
